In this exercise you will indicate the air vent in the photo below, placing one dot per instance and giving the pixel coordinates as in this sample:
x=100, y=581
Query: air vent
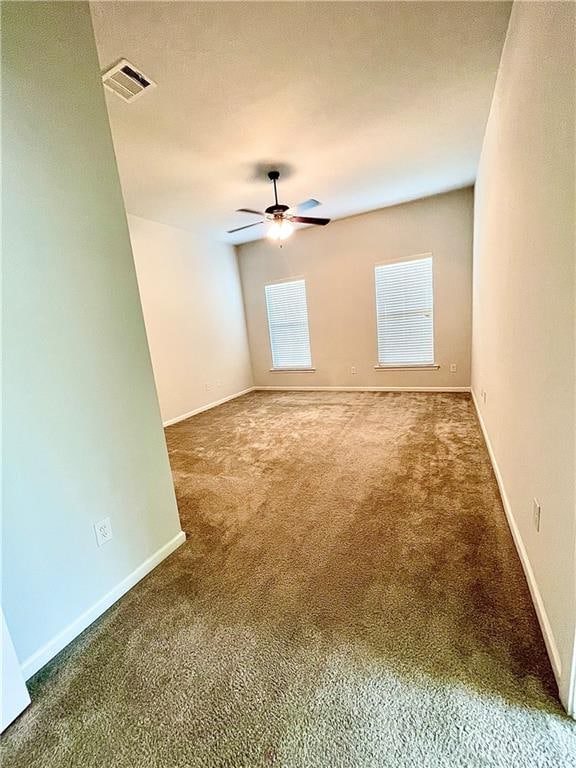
x=126, y=81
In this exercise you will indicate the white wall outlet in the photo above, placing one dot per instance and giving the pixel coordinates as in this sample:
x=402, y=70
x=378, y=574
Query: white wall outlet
x=536, y=512
x=453, y=367
x=103, y=529
x=353, y=370
x=208, y=386
x=483, y=396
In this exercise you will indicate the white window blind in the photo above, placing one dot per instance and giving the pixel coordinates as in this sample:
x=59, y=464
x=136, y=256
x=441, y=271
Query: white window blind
x=405, y=312
x=288, y=324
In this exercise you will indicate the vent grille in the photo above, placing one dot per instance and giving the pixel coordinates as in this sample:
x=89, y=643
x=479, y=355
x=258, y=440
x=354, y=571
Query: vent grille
x=126, y=81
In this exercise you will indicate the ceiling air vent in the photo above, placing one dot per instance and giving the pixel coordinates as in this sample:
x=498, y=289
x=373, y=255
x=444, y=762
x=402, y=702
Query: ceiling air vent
x=126, y=81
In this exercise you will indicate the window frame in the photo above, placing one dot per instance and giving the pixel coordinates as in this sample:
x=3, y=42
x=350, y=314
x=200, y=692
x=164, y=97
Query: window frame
x=407, y=365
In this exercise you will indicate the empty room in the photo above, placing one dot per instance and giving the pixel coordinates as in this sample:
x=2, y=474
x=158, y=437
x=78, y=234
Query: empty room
x=289, y=384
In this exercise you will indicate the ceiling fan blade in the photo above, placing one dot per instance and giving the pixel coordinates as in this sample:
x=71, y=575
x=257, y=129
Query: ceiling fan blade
x=309, y=220
x=307, y=204
x=247, y=226
x=249, y=210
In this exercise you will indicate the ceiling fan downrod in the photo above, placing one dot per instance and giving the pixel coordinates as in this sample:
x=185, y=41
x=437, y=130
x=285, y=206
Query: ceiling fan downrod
x=274, y=176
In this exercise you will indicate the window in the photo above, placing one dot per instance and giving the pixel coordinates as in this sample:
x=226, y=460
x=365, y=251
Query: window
x=288, y=324
x=404, y=310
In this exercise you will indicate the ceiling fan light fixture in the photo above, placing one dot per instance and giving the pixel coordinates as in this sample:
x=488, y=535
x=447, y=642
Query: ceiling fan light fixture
x=280, y=230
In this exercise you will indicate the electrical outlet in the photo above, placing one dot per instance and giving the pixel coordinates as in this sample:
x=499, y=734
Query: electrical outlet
x=103, y=530
x=208, y=386
x=484, y=396
x=453, y=367
x=536, y=512
x=353, y=370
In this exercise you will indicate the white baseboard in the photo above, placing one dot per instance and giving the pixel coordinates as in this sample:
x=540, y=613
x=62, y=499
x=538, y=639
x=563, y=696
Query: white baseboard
x=206, y=407
x=43, y=655
x=362, y=389
x=551, y=646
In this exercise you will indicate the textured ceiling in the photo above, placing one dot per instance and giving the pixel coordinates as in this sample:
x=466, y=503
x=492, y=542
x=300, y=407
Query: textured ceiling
x=367, y=104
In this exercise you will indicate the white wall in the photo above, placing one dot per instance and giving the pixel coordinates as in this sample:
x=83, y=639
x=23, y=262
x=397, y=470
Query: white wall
x=337, y=262
x=192, y=302
x=524, y=299
x=15, y=697
x=82, y=434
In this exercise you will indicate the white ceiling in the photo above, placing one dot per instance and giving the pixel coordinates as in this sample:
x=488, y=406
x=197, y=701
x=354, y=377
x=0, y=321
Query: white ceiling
x=369, y=104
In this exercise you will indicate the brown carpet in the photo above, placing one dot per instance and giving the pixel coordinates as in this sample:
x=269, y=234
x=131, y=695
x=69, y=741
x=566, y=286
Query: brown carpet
x=349, y=595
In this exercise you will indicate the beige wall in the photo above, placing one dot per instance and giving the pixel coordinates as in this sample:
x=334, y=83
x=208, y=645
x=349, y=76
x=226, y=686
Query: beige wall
x=82, y=436
x=524, y=301
x=192, y=302
x=338, y=265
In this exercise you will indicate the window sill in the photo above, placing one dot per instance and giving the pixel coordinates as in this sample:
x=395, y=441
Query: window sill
x=292, y=370
x=415, y=367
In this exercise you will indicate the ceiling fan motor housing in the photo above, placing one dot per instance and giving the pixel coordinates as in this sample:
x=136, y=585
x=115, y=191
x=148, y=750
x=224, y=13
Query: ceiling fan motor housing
x=276, y=210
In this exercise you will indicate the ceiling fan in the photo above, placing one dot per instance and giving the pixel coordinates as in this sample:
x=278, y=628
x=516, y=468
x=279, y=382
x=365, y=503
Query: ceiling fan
x=281, y=217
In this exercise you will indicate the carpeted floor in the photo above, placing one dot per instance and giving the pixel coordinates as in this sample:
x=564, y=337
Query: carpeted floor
x=349, y=596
